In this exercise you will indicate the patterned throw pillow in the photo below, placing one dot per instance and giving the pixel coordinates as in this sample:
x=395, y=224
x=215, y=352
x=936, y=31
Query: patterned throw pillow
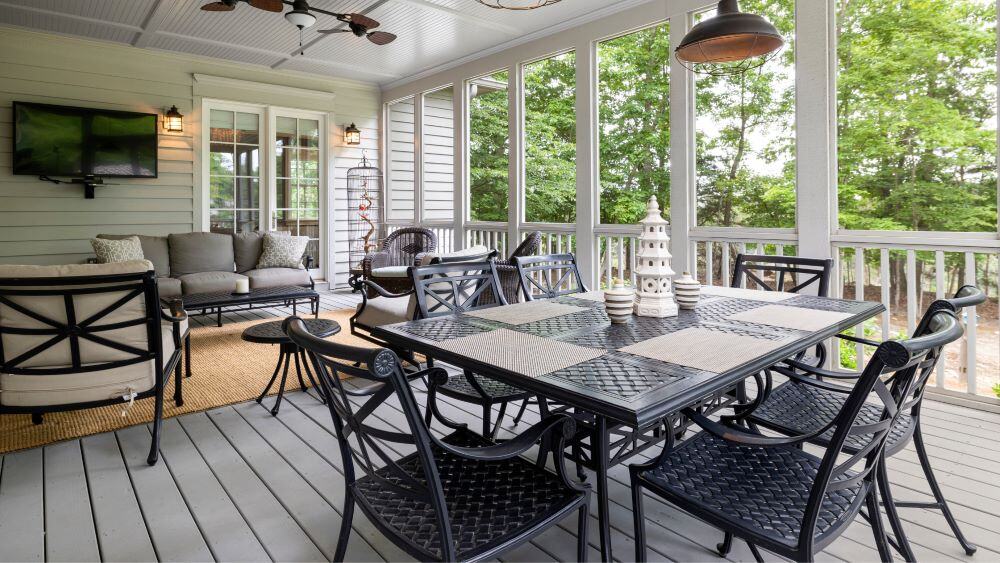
x=282, y=251
x=110, y=251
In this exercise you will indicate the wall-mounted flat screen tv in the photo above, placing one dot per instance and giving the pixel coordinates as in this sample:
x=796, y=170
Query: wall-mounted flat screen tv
x=70, y=141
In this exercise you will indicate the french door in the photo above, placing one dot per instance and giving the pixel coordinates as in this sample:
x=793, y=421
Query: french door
x=266, y=171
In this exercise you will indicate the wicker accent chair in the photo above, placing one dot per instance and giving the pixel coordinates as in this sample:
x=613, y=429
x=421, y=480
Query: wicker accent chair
x=771, y=493
x=455, y=498
x=82, y=336
x=811, y=398
x=446, y=289
x=510, y=281
x=400, y=250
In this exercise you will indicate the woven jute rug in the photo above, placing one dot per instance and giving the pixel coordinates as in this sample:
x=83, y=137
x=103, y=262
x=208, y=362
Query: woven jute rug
x=225, y=370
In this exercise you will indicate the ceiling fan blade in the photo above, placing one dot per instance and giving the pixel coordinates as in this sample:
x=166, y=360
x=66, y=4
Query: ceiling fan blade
x=363, y=21
x=333, y=31
x=381, y=37
x=218, y=7
x=268, y=5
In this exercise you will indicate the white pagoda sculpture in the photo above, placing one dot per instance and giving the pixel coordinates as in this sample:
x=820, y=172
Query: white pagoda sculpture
x=653, y=272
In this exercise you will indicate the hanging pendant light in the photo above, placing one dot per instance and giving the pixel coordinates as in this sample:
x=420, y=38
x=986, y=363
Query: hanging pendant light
x=731, y=43
x=518, y=5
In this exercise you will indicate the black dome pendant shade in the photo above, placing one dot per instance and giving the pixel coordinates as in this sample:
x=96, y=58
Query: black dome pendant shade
x=732, y=42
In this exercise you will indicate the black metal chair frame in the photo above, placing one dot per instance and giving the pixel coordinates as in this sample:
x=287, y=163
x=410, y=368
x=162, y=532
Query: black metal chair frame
x=804, y=374
x=549, y=274
x=899, y=364
x=795, y=268
x=457, y=287
x=89, y=329
x=416, y=478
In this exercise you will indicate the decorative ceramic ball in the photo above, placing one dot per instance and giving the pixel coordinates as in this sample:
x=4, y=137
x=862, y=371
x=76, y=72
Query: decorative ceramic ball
x=619, y=301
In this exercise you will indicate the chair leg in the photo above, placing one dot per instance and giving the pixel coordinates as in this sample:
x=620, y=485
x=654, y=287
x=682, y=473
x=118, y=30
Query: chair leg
x=902, y=544
x=925, y=463
x=487, y=427
x=875, y=519
x=581, y=532
x=154, y=448
x=520, y=412
x=178, y=385
x=281, y=388
x=638, y=520
x=345, y=527
x=187, y=354
x=496, y=426
x=756, y=553
x=725, y=545
x=36, y=418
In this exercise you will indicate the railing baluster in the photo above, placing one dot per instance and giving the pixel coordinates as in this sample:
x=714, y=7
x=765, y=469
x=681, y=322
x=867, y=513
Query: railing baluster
x=912, y=287
x=724, y=270
x=970, y=327
x=742, y=248
x=886, y=283
x=709, y=263
x=859, y=294
x=939, y=293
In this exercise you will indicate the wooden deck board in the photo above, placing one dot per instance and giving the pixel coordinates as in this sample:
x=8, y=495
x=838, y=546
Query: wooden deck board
x=236, y=484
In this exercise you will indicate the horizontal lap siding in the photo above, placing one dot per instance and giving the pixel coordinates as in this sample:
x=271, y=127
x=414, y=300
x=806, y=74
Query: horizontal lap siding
x=439, y=149
x=42, y=223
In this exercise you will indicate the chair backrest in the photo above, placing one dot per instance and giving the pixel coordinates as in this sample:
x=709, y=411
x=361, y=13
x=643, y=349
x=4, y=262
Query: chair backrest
x=904, y=362
x=404, y=245
x=366, y=445
x=804, y=273
x=456, y=287
x=79, y=323
x=531, y=244
x=548, y=276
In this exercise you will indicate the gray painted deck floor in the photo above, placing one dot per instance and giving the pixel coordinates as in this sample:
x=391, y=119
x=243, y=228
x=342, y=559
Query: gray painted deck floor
x=235, y=483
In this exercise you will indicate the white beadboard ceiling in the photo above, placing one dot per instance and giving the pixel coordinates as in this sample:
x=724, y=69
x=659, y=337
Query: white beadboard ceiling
x=431, y=32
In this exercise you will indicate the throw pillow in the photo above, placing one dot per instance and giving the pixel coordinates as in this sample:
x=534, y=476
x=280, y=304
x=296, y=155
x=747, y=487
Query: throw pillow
x=110, y=251
x=282, y=251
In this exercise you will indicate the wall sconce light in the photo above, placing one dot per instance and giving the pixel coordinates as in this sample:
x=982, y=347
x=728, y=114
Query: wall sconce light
x=173, y=121
x=352, y=135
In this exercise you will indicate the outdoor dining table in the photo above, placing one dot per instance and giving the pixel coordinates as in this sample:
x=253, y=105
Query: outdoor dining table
x=623, y=381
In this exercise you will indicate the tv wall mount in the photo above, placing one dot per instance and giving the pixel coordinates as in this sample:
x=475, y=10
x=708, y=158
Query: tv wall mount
x=89, y=182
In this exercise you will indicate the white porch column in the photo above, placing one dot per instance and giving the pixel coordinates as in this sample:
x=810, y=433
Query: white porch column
x=515, y=170
x=682, y=153
x=460, y=162
x=588, y=185
x=815, y=132
x=418, y=159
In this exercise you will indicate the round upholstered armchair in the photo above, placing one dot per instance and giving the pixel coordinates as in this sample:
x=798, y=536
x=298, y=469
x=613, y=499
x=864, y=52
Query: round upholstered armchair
x=510, y=281
x=400, y=250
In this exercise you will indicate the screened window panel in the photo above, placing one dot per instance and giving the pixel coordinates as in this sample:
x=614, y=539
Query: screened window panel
x=489, y=147
x=550, y=139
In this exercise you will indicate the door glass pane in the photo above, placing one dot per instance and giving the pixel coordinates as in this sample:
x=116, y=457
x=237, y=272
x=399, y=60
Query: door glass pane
x=234, y=171
x=297, y=189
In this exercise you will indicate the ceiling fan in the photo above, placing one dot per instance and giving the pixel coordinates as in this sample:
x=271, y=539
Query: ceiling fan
x=301, y=17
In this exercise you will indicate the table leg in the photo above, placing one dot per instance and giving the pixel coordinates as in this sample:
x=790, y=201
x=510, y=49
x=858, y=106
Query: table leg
x=286, y=355
x=312, y=380
x=218, y=318
x=274, y=376
x=601, y=453
x=187, y=354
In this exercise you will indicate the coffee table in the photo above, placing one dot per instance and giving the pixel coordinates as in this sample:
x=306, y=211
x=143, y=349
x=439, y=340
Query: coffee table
x=272, y=333
x=215, y=303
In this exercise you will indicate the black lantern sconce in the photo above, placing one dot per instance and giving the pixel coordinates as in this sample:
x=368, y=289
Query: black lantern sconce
x=173, y=121
x=352, y=135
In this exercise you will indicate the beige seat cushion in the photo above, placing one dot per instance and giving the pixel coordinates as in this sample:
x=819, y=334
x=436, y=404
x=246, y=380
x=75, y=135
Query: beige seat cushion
x=387, y=310
x=168, y=287
x=209, y=282
x=390, y=272
x=273, y=277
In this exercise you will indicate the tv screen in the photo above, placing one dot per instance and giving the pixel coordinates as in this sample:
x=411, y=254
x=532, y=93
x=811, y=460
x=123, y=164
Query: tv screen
x=70, y=141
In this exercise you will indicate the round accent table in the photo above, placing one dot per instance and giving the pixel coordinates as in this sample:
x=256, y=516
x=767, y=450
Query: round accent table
x=271, y=333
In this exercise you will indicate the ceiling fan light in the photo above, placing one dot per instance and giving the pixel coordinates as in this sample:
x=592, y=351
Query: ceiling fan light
x=300, y=18
x=731, y=36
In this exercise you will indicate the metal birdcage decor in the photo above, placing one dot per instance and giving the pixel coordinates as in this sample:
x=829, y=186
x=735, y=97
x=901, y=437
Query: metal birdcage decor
x=517, y=4
x=364, y=191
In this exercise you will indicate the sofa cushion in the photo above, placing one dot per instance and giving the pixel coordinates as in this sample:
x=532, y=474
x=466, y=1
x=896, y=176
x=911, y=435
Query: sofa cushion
x=282, y=251
x=121, y=250
x=46, y=390
x=168, y=287
x=209, y=282
x=386, y=310
x=273, y=277
x=191, y=253
x=86, y=305
x=154, y=249
x=248, y=246
x=390, y=272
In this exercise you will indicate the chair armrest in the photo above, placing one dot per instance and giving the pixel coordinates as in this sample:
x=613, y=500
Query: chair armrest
x=374, y=260
x=859, y=340
x=812, y=382
x=177, y=312
x=383, y=291
x=820, y=372
x=740, y=436
x=307, y=261
x=517, y=445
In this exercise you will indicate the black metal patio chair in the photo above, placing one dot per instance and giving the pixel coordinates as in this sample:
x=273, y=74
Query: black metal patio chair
x=549, y=275
x=811, y=398
x=449, y=288
x=460, y=497
x=771, y=493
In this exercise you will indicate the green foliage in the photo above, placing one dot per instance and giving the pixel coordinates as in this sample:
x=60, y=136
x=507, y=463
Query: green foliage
x=550, y=139
x=489, y=148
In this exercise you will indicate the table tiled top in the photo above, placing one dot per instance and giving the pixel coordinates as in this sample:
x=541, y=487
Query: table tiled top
x=631, y=387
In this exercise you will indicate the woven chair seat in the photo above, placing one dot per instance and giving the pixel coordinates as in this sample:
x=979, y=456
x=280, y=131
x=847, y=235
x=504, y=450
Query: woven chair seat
x=764, y=491
x=458, y=387
x=796, y=408
x=488, y=502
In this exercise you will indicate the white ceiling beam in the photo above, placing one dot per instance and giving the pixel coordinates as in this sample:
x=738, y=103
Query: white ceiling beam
x=157, y=15
x=463, y=16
